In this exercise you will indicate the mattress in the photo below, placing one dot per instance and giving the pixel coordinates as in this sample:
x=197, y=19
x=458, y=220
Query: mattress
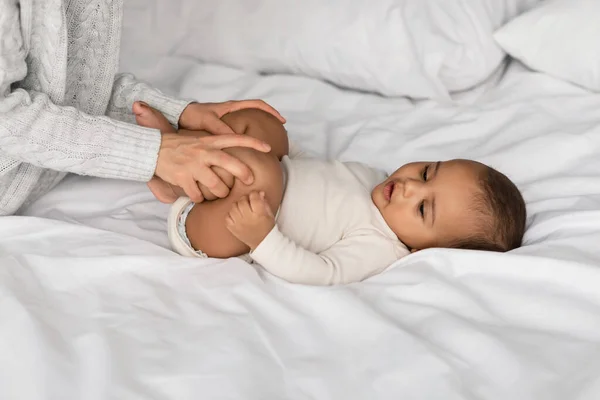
x=94, y=304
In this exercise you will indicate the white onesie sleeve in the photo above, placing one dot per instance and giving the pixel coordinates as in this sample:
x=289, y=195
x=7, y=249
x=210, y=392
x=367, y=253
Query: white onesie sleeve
x=355, y=257
x=296, y=152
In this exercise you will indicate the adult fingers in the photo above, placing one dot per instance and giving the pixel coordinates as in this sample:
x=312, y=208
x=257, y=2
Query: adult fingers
x=216, y=126
x=192, y=190
x=226, y=141
x=206, y=193
x=206, y=177
x=231, y=106
x=230, y=164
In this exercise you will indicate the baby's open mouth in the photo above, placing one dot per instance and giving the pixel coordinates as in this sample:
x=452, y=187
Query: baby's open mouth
x=388, y=189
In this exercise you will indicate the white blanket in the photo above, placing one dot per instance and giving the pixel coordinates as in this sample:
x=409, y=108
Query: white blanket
x=94, y=306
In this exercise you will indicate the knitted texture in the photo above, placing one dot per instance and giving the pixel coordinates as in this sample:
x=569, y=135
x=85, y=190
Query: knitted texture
x=62, y=110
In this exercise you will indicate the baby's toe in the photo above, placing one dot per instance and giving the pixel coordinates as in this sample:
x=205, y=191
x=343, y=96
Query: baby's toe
x=150, y=118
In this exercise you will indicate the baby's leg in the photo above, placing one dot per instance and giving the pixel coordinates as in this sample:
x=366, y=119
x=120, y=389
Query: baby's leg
x=205, y=224
x=251, y=122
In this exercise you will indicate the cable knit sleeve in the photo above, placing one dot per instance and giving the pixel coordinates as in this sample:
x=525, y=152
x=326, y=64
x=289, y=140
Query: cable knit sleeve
x=127, y=90
x=35, y=131
x=352, y=259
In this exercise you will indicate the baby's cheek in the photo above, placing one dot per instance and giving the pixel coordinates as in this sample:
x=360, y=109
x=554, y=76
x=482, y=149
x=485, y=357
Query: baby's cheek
x=412, y=232
x=400, y=225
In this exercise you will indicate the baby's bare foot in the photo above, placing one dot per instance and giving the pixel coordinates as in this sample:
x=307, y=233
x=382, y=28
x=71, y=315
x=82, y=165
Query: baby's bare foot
x=150, y=118
x=162, y=190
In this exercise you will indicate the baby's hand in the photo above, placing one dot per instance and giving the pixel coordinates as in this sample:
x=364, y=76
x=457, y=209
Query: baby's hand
x=250, y=219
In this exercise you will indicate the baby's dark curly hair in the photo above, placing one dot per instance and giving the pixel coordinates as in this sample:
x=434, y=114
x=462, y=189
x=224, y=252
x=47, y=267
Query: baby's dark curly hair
x=502, y=212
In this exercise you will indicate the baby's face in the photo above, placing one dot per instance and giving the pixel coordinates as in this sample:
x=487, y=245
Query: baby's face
x=428, y=204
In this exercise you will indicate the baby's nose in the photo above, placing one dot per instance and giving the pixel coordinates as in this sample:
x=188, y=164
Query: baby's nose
x=411, y=187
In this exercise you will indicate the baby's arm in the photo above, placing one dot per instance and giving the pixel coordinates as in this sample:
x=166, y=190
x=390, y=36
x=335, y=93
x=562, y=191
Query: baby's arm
x=352, y=259
x=355, y=257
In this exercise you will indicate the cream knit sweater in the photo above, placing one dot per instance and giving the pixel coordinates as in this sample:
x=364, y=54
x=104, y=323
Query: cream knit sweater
x=61, y=107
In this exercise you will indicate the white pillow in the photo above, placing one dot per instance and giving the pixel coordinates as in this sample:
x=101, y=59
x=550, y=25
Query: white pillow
x=418, y=48
x=560, y=38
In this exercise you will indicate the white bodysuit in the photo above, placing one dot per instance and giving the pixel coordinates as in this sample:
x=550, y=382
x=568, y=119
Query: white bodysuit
x=328, y=230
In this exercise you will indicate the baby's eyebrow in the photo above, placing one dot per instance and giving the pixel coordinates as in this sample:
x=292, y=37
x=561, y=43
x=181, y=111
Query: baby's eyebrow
x=436, y=167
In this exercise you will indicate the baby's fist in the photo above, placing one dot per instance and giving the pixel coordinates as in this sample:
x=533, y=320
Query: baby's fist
x=250, y=219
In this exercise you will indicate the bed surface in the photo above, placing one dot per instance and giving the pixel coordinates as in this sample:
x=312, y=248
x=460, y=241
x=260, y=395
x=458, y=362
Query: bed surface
x=94, y=306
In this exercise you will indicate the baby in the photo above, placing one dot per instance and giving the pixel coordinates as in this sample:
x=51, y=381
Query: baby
x=321, y=222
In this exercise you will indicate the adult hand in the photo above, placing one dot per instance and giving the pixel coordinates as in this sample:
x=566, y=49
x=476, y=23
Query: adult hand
x=192, y=166
x=186, y=161
x=207, y=116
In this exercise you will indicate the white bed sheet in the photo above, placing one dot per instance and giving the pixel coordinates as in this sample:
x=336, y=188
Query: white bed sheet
x=94, y=306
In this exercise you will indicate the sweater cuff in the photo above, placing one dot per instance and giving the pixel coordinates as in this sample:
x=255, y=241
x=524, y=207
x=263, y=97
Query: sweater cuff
x=131, y=152
x=170, y=107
